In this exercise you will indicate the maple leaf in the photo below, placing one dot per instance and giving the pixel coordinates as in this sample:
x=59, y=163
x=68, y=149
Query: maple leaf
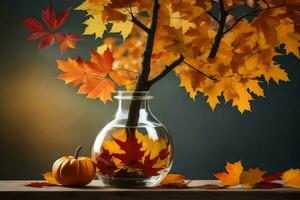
x=148, y=168
x=251, y=177
x=272, y=177
x=132, y=151
x=53, y=22
x=67, y=41
x=235, y=175
x=93, y=75
x=105, y=164
x=267, y=185
x=95, y=25
x=50, y=19
x=176, y=180
x=232, y=175
x=48, y=176
x=39, y=184
x=291, y=178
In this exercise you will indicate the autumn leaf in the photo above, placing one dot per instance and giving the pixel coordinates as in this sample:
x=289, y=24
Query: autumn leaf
x=105, y=164
x=95, y=25
x=232, y=175
x=48, y=176
x=148, y=168
x=272, y=177
x=266, y=185
x=132, y=151
x=235, y=175
x=251, y=177
x=292, y=178
x=176, y=180
x=93, y=75
x=53, y=22
x=67, y=41
x=39, y=184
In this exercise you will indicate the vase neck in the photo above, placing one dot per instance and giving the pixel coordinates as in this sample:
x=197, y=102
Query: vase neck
x=138, y=98
x=124, y=106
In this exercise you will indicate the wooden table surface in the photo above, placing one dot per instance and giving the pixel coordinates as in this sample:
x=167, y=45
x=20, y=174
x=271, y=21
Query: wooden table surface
x=16, y=190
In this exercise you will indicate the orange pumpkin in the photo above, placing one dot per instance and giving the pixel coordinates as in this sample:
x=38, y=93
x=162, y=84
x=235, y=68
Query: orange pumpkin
x=74, y=170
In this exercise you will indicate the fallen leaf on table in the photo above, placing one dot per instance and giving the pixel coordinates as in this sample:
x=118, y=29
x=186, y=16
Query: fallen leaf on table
x=48, y=176
x=211, y=186
x=235, y=175
x=250, y=177
x=273, y=177
x=176, y=180
x=39, y=184
x=267, y=182
x=292, y=178
x=267, y=185
x=232, y=175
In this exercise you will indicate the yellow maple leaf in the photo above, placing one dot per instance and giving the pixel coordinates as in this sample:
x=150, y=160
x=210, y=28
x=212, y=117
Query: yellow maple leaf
x=95, y=25
x=292, y=178
x=48, y=176
x=124, y=28
x=173, y=180
x=250, y=177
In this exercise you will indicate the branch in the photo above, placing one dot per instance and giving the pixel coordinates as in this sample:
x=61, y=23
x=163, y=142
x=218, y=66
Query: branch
x=167, y=69
x=212, y=16
x=146, y=62
x=219, y=35
x=267, y=4
x=201, y=72
x=139, y=24
x=249, y=14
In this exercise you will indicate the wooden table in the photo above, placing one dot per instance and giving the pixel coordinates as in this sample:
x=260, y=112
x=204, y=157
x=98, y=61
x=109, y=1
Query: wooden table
x=17, y=191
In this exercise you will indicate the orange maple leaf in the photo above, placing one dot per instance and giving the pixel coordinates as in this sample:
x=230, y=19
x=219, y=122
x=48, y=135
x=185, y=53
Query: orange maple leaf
x=232, y=175
x=93, y=75
x=173, y=180
x=235, y=175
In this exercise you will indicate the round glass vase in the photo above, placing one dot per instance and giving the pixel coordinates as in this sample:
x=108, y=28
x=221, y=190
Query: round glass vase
x=134, y=149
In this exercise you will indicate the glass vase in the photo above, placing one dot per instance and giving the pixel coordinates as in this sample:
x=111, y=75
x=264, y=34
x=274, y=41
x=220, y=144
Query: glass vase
x=134, y=149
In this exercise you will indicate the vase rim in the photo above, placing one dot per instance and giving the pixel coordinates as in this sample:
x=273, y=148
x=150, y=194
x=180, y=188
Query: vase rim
x=132, y=95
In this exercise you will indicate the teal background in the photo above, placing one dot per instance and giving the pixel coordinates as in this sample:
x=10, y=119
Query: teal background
x=42, y=119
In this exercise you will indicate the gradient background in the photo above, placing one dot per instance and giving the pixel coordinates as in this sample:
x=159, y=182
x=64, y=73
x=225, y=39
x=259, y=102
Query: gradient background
x=42, y=119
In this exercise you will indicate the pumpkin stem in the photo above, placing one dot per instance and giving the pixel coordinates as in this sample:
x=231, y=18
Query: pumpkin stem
x=77, y=151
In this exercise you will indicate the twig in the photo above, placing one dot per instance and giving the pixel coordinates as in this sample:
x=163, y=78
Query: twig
x=210, y=14
x=201, y=72
x=139, y=24
x=167, y=69
x=219, y=35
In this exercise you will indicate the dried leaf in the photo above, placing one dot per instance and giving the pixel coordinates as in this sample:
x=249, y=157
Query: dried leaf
x=175, y=180
x=48, y=176
x=39, y=184
x=292, y=178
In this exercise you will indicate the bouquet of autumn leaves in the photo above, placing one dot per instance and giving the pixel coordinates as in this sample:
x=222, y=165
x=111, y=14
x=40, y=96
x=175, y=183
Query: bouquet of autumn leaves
x=214, y=51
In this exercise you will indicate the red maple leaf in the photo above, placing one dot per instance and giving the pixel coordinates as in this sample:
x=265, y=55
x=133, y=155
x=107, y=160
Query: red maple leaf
x=105, y=164
x=53, y=22
x=273, y=177
x=164, y=153
x=267, y=185
x=133, y=154
x=147, y=167
x=39, y=184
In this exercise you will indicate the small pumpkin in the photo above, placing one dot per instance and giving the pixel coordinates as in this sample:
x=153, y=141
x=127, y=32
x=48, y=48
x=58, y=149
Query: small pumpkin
x=74, y=170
